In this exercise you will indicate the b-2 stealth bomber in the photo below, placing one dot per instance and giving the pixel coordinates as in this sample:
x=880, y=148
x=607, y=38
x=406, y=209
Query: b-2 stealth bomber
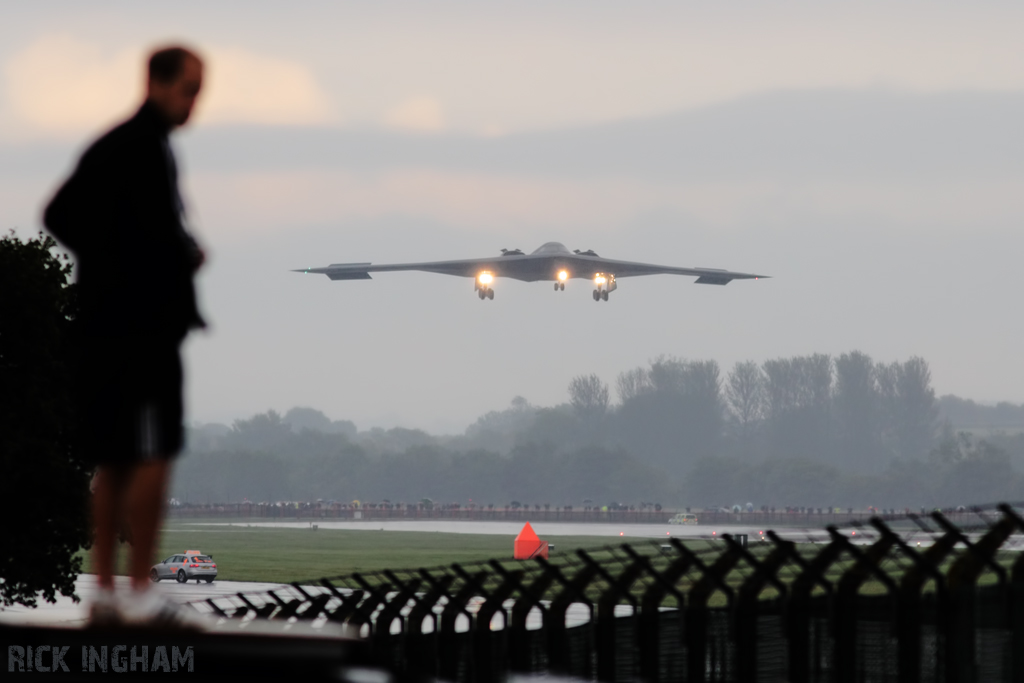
x=552, y=262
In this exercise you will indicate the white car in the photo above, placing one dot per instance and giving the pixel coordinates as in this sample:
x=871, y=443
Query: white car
x=190, y=565
x=684, y=518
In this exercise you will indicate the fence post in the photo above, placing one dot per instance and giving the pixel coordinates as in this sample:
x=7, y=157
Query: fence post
x=747, y=602
x=798, y=618
x=650, y=626
x=908, y=613
x=963, y=577
x=529, y=597
x=383, y=640
x=315, y=603
x=574, y=590
x=845, y=613
x=376, y=595
x=618, y=589
x=486, y=663
x=712, y=578
x=1016, y=603
x=348, y=605
x=420, y=647
x=448, y=645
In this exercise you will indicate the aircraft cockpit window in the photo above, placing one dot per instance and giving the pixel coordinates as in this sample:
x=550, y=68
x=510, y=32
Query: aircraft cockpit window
x=552, y=248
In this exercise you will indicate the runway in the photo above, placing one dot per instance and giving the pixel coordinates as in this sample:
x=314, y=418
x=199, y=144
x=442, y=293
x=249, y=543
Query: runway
x=66, y=612
x=504, y=528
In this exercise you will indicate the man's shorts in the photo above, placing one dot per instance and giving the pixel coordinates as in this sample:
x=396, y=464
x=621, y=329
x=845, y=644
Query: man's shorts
x=130, y=401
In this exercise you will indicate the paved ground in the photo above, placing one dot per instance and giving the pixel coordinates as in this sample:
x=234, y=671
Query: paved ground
x=66, y=612
x=507, y=528
x=554, y=529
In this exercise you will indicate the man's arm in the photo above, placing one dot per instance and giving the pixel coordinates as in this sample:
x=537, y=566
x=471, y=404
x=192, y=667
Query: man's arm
x=72, y=211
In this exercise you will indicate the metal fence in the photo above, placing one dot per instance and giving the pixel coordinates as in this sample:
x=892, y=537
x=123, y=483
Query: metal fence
x=908, y=599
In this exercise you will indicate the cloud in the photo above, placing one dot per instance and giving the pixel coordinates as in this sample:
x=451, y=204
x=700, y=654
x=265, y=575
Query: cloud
x=63, y=86
x=417, y=114
x=244, y=87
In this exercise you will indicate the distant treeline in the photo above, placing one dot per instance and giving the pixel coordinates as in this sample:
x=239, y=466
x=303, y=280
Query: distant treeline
x=805, y=431
x=966, y=414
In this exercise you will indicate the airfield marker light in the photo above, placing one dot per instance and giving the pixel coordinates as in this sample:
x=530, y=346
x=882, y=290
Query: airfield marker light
x=563, y=276
x=621, y=533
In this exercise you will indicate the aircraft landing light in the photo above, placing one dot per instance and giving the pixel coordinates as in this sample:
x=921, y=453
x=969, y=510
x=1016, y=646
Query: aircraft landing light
x=563, y=275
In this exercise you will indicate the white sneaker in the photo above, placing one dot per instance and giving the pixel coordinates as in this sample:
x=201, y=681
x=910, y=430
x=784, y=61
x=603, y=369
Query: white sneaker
x=104, y=609
x=149, y=608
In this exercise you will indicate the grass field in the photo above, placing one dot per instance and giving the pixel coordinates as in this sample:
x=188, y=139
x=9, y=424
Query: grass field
x=282, y=555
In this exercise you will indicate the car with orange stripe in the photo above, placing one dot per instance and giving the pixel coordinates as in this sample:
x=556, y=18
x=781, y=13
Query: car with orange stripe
x=192, y=564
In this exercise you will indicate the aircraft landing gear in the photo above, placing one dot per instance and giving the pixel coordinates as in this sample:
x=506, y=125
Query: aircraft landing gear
x=485, y=293
x=604, y=284
x=559, y=286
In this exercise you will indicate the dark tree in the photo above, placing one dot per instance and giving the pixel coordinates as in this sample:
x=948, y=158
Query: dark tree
x=917, y=410
x=744, y=390
x=676, y=418
x=589, y=397
x=632, y=383
x=46, y=486
x=856, y=407
x=301, y=418
x=264, y=432
x=798, y=405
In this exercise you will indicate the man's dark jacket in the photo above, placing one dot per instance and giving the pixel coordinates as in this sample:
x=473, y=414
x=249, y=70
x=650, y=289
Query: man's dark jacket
x=121, y=215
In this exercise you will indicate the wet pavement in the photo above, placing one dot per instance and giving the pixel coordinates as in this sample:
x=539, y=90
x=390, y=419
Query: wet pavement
x=502, y=528
x=600, y=531
x=605, y=534
x=66, y=612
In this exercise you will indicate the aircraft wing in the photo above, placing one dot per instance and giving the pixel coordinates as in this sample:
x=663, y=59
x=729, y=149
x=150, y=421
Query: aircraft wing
x=705, y=276
x=532, y=267
x=500, y=266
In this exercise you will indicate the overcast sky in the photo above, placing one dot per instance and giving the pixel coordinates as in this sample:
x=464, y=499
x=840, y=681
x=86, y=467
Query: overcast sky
x=868, y=156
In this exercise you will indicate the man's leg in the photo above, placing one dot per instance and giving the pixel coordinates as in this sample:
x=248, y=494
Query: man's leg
x=145, y=605
x=146, y=493
x=107, y=507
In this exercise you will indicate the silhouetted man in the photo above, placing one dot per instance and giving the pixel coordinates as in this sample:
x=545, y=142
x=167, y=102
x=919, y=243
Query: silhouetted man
x=121, y=215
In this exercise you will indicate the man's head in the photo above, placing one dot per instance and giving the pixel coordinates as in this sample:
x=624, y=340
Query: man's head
x=175, y=78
